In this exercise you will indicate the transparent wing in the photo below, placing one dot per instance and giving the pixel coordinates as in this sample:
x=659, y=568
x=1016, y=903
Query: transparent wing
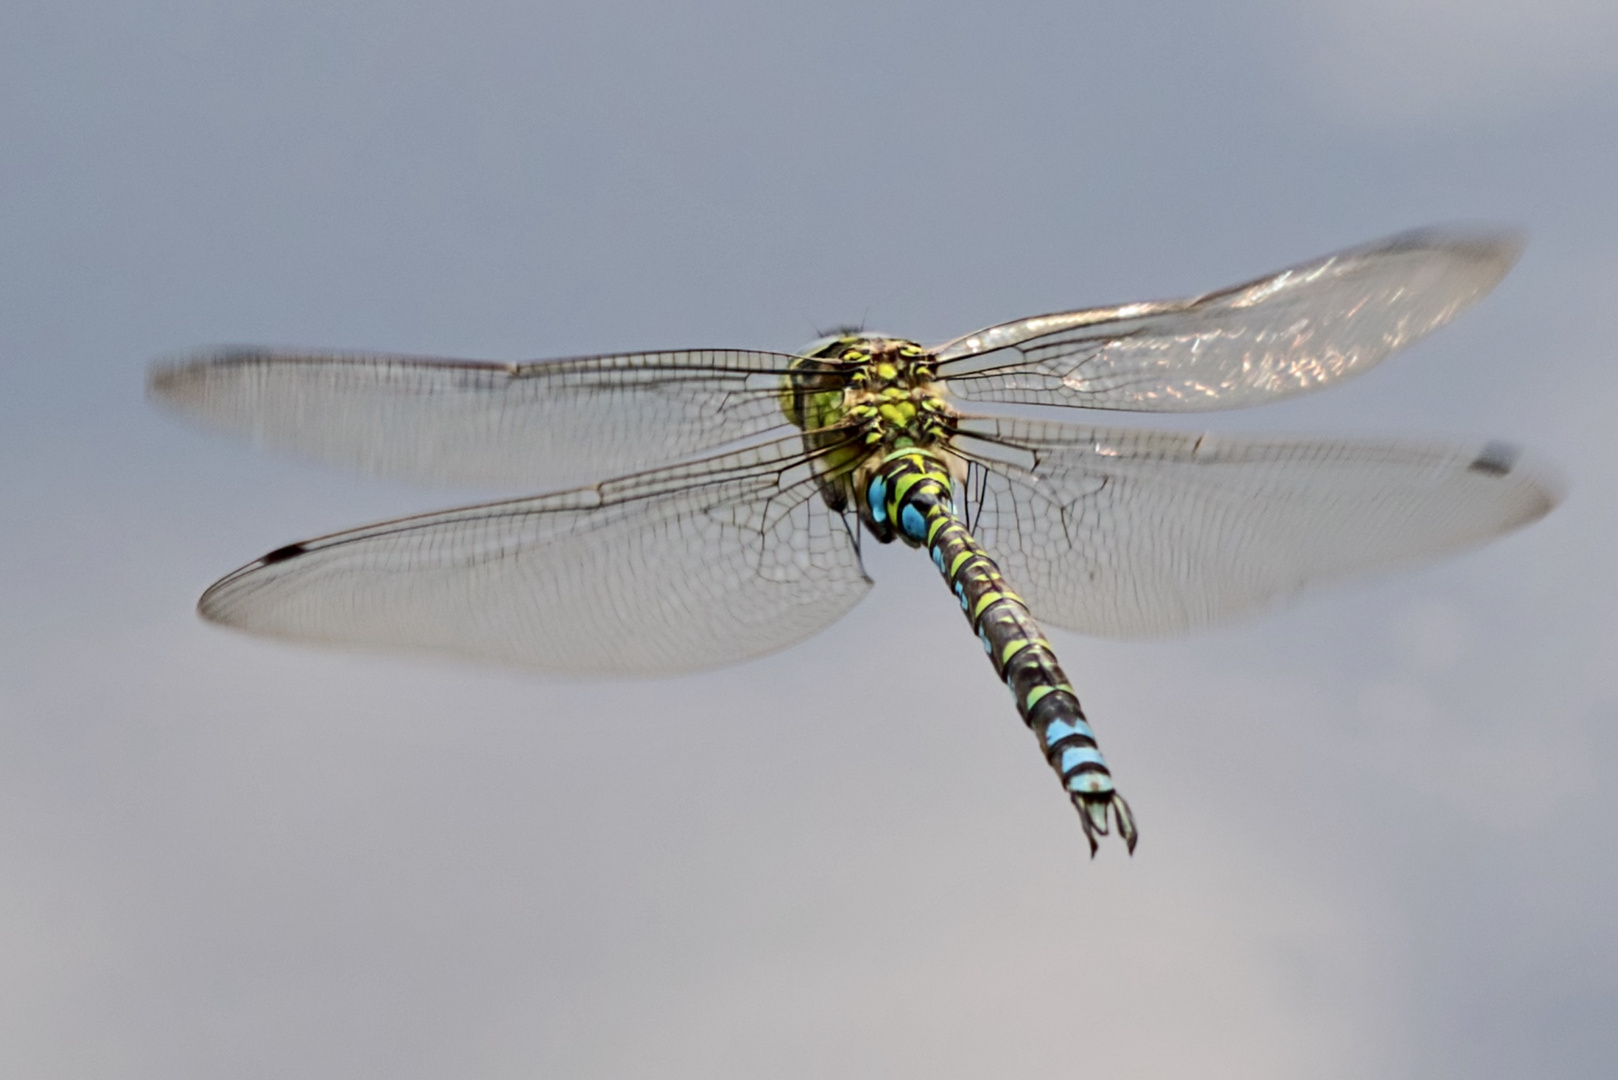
x=545, y=425
x=673, y=570
x=1300, y=329
x=1129, y=533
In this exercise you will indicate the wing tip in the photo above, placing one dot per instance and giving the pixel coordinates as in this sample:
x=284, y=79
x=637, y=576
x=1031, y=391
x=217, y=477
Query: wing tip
x=210, y=607
x=1490, y=248
x=167, y=376
x=215, y=606
x=1481, y=238
x=1542, y=487
x=176, y=379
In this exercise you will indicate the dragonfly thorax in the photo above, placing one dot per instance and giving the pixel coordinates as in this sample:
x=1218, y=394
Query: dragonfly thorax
x=861, y=399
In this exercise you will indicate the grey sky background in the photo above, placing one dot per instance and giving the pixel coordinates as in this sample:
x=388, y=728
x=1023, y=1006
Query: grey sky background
x=1377, y=827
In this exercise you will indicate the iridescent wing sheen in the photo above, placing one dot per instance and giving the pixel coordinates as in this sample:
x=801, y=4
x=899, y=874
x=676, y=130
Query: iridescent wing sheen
x=541, y=426
x=1303, y=328
x=673, y=570
x=1132, y=533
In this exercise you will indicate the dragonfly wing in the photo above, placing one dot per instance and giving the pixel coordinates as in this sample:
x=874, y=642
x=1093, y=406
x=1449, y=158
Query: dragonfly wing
x=1131, y=533
x=674, y=570
x=1305, y=327
x=546, y=425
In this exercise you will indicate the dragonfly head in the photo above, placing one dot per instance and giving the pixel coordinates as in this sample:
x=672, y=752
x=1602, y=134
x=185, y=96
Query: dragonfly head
x=860, y=398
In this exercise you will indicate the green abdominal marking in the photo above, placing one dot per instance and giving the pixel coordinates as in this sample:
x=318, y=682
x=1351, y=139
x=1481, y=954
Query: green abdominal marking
x=913, y=489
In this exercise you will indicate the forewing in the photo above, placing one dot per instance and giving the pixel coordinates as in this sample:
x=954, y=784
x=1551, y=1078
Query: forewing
x=1128, y=533
x=543, y=425
x=1300, y=329
x=674, y=570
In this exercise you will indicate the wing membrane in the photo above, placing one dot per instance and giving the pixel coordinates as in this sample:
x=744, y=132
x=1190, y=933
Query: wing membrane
x=1305, y=327
x=543, y=425
x=673, y=570
x=1130, y=533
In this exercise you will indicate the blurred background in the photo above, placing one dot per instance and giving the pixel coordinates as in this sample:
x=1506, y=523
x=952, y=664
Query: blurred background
x=1377, y=828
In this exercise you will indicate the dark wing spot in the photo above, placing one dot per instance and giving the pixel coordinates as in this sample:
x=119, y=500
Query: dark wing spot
x=1497, y=459
x=282, y=554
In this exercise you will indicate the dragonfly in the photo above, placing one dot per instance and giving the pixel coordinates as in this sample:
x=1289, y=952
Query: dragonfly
x=740, y=484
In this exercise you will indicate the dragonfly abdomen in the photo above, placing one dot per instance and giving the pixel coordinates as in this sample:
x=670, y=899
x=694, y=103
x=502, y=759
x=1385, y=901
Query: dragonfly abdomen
x=914, y=490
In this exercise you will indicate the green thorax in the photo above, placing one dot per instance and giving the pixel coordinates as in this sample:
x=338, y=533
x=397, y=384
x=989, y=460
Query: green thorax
x=860, y=399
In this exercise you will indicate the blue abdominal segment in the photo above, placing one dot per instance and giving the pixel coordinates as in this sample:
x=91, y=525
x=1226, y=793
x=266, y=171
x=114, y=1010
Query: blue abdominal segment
x=877, y=496
x=911, y=521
